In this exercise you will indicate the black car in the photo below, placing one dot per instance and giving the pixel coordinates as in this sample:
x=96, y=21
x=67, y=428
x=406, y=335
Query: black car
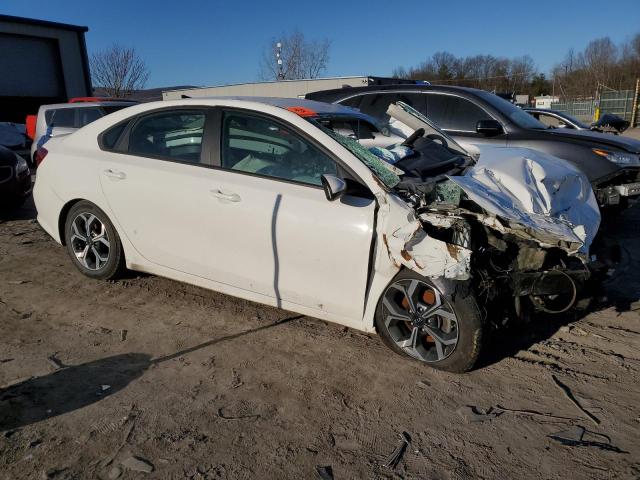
x=607, y=123
x=15, y=179
x=472, y=116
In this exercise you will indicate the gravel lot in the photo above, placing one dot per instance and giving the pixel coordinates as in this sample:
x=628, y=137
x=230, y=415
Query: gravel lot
x=108, y=380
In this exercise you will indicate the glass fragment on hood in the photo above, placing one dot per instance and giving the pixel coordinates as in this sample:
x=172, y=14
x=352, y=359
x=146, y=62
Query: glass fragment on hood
x=393, y=154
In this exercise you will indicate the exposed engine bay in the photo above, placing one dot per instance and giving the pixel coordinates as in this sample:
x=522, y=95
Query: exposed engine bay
x=514, y=225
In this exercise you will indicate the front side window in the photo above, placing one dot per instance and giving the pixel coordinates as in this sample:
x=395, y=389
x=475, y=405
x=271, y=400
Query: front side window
x=455, y=113
x=257, y=145
x=515, y=114
x=173, y=135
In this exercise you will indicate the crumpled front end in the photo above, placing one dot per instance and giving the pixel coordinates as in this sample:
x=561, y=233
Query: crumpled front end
x=518, y=224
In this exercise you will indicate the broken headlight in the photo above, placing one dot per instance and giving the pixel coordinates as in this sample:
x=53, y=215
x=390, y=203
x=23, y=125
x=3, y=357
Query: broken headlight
x=620, y=158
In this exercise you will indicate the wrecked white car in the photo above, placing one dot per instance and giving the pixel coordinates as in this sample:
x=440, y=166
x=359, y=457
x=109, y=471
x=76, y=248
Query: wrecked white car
x=264, y=200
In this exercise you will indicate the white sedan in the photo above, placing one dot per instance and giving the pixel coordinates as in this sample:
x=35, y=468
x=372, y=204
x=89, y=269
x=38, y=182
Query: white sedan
x=276, y=201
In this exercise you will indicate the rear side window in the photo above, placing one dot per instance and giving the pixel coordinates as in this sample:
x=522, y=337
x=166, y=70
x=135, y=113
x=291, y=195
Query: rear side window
x=173, y=135
x=62, y=117
x=88, y=115
x=454, y=113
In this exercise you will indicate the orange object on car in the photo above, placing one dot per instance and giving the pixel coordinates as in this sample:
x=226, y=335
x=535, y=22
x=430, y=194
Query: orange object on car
x=30, y=126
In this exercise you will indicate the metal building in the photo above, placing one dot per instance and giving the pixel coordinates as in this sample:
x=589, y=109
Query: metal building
x=283, y=88
x=41, y=62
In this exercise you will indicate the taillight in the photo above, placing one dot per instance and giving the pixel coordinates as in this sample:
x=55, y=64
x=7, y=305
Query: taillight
x=40, y=154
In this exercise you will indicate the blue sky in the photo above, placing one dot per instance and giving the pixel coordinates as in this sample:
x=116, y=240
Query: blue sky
x=214, y=42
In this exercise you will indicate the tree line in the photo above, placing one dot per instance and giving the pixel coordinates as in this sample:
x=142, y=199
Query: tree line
x=601, y=65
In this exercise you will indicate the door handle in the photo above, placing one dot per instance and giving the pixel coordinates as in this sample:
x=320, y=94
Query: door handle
x=229, y=197
x=115, y=174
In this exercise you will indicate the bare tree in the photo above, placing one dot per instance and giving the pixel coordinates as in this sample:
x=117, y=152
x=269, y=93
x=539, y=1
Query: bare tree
x=119, y=70
x=301, y=58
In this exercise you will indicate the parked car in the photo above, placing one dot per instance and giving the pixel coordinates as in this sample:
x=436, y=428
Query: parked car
x=473, y=116
x=15, y=179
x=264, y=200
x=65, y=118
x=13, y=136
x=556, y=119
x=607, y=123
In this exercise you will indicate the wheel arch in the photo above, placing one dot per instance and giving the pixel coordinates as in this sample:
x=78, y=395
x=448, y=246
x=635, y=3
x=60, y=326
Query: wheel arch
x=62, y=218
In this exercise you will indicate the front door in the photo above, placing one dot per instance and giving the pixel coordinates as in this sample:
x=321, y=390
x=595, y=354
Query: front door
x=276, y=233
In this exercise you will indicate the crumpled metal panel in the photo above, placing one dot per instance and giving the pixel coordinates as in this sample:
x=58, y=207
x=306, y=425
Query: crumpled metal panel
x=538, y=195
x=408, y=245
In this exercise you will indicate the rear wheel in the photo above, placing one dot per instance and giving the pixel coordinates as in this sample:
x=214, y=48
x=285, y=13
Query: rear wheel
x=93, y=243
x=439, y=325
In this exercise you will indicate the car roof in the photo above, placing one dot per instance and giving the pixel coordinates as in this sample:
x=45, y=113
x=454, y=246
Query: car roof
x=321, y=108
x=86, y=104
x=548, y=110
x=300, y=106
x=348, y=91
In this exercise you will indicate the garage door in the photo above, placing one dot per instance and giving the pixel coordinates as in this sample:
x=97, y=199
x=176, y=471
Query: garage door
x=34, y=64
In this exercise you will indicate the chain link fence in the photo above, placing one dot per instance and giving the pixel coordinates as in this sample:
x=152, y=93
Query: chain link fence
x=618, y=103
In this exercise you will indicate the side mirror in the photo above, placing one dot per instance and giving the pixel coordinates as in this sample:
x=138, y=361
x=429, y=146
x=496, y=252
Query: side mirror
x=489, y=128
x=334, y=187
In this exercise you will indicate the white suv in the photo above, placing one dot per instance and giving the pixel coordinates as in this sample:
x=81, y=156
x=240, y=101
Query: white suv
x=65, y=118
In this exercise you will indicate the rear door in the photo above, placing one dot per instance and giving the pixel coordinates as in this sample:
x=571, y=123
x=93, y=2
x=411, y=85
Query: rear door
x=157, y=180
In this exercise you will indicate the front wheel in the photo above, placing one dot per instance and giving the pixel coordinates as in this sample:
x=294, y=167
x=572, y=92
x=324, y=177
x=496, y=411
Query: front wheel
x=439, y=325
x=92, y=242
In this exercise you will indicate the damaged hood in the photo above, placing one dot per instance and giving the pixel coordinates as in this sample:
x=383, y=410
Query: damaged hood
x=538, y=196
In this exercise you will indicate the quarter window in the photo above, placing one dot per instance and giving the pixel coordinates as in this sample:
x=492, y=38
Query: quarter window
x=111, y=136
x=173, y=135
x=257, y=145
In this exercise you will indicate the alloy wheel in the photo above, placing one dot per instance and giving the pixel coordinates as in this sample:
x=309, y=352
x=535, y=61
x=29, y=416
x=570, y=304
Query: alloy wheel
x=420, y=320
x=90, y=241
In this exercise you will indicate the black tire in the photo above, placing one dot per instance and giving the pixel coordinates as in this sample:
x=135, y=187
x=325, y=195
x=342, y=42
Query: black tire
x=460, y=301
x=114, y=262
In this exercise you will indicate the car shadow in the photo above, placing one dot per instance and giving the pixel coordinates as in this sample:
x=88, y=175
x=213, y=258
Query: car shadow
x=76, y=386
x=619, y=290
x=27, y=211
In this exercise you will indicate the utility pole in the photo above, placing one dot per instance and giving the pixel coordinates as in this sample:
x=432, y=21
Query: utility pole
x=634, y=111
x=279, y=61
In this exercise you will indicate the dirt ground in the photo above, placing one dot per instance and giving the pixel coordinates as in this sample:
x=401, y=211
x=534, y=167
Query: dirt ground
x=111, y=380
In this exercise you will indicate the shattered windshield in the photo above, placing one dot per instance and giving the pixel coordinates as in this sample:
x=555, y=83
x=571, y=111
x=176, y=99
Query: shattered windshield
x=378, y=166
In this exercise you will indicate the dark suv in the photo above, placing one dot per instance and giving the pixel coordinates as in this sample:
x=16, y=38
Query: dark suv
x=472, y=116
